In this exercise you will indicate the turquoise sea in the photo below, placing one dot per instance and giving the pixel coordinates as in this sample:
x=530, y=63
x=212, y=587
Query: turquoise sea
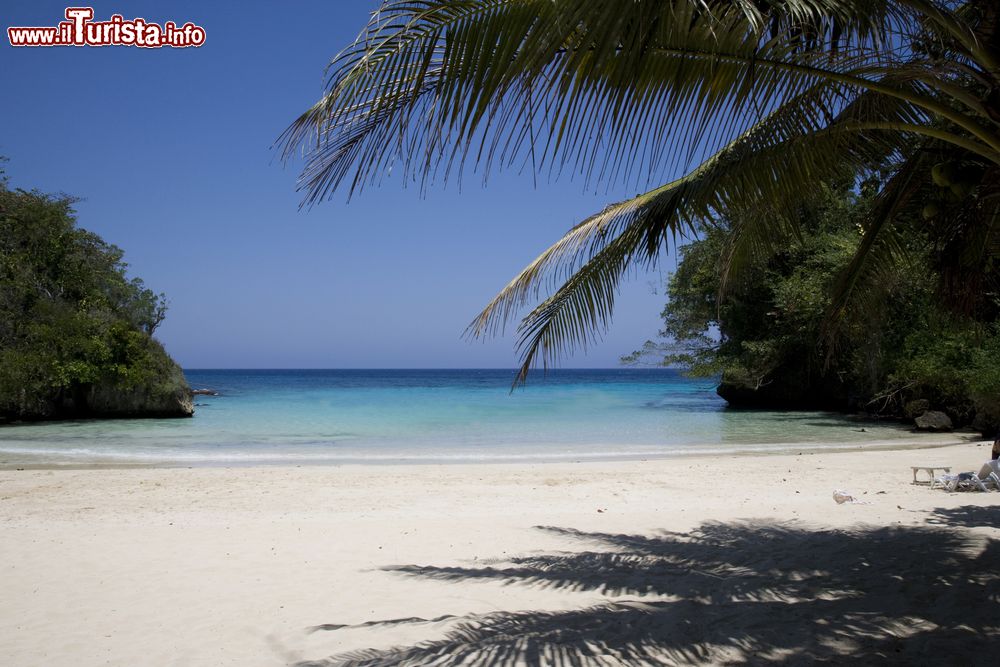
x=346, y=416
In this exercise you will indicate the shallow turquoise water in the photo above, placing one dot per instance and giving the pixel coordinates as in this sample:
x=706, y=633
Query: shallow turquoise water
x=329, y=416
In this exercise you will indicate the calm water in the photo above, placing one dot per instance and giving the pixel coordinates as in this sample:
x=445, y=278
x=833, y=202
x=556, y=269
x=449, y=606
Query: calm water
x=313, y=416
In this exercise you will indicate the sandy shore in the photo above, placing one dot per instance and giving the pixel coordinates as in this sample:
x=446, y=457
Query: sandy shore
x=699, y=560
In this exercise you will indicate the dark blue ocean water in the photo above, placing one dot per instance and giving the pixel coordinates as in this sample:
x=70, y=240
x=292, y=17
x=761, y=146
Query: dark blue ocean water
x=329, y=416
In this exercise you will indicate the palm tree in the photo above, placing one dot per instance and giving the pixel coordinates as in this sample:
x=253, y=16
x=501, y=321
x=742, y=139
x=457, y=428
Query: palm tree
x=754, y=102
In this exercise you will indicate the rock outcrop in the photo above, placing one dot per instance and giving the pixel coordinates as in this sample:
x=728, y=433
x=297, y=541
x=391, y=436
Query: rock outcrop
x=159, y=390
x=933, y=420
x=786, y=389
x=168, y=397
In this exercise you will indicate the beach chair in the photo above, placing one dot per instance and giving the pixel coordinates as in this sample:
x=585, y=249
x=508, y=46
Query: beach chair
x=995, y=478
x=946, y=482
x=964, y=481
x=969, y=481
x=989, y=474
x=943, y=482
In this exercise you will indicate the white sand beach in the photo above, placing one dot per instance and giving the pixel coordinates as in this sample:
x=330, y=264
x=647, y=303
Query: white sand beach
x=686, y=560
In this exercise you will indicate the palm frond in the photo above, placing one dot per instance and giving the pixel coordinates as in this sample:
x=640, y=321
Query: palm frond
x=765, y=173
x=609, y=90
x=779, y=96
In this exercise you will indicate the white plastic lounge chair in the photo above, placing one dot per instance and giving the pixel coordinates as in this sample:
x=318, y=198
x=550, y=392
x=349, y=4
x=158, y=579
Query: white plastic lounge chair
x=990, y=474
x=995, y=478
x=946, y=482
x=965, y=481
x=969, y=481
x=989, y=468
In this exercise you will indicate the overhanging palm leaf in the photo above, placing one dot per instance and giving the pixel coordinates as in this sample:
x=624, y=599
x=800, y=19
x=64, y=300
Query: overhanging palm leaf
x=632, y=233
x=779, y=94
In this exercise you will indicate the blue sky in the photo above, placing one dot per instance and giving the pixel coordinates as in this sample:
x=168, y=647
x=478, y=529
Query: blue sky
x=171, y=151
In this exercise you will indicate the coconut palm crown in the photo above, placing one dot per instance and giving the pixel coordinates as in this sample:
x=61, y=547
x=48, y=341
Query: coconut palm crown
x=753, y=102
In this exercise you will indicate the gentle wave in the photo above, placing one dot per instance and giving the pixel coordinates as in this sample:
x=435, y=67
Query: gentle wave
x=424, y=416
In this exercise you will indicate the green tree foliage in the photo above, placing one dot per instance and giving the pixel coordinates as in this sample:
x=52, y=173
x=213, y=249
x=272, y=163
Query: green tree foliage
x=764, y=335
x=754, y=103
x=74, y=329
x=955, y=365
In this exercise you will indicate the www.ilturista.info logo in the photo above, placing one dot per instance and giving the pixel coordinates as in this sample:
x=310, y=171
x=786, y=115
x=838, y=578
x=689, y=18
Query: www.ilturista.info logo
x=79, y=29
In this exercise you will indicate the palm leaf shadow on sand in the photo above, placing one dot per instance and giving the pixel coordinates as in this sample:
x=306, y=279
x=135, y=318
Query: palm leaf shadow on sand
x=969, y=516
x=732, y=593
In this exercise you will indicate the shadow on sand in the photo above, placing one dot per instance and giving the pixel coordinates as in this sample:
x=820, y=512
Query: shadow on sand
x=734, y=593
x=967, y=516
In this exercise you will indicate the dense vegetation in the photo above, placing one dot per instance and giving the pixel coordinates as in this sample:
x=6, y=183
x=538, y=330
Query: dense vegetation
x=75, y=331
x=768, y=335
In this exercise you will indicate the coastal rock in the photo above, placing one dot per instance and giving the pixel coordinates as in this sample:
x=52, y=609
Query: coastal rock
x=933, y=420
x=162, y=392
x=914, y=409
x=161, y=399
x=158, y=390
x=786, y=389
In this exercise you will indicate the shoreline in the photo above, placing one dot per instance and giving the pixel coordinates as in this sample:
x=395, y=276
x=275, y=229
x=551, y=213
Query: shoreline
x=691, y=560
x=918, y=441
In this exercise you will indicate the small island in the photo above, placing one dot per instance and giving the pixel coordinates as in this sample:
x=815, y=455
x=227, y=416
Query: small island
x=76, y=334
